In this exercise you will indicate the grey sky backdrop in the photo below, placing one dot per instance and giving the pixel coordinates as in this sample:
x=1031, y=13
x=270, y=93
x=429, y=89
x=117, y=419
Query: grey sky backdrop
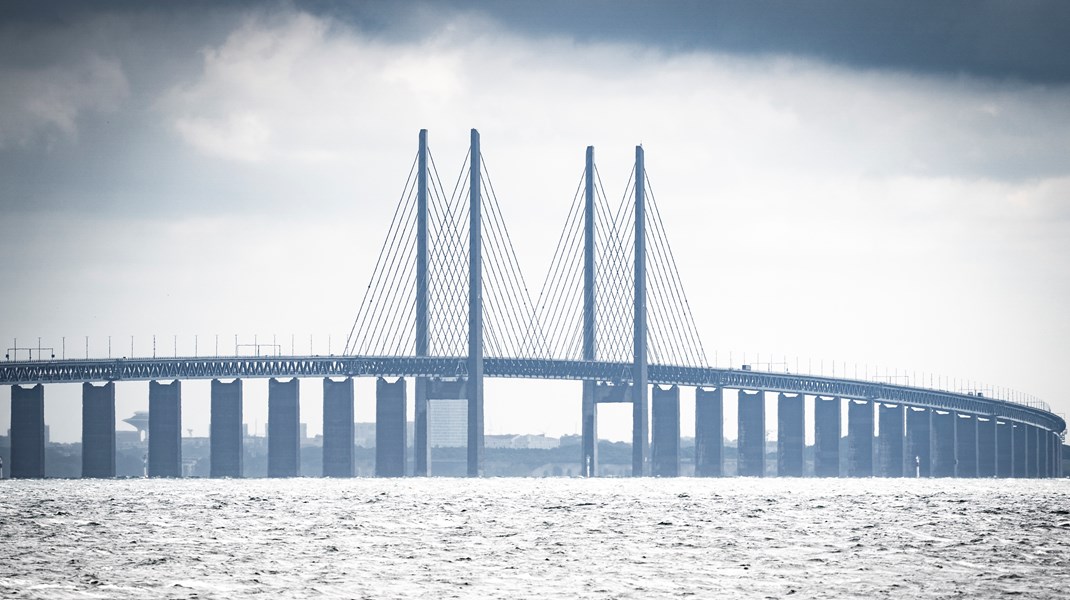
x=876, y=184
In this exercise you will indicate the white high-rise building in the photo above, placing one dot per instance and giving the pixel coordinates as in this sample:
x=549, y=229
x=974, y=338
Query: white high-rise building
x=447, y=423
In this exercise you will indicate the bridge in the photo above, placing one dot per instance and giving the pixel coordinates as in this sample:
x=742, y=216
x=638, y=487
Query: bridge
x=448, y=306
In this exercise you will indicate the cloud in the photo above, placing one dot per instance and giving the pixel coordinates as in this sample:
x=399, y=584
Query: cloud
x=43, y=105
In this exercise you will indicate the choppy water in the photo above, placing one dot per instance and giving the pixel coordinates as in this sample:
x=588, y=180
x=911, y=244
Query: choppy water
x=515, y=538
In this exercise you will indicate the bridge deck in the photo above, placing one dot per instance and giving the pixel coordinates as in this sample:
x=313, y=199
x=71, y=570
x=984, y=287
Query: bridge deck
x=143, y=369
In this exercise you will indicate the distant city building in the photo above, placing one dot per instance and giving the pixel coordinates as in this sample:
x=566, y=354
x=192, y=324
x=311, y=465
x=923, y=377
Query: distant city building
x=521, y=442
x=140, y=421
x=447, y=423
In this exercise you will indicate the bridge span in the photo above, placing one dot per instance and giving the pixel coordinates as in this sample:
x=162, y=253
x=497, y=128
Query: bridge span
x=447, y=305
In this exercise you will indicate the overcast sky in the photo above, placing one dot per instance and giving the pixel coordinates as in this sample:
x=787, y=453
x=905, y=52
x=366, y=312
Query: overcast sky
x=875, y=184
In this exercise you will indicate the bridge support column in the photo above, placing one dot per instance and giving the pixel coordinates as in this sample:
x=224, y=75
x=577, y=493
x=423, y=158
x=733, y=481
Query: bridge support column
x=390, y=417
x=791, y=432
x=826, y=437
x=986, y=447
x=1058, y=441
x=28, y=432
x=1019, y=445
x=709, y=432
x=943, y=443
x=589, y=441
x=421, y=446
x=665, y=427
x=750, y=445
x=226, y=432
x=98, y=430
x=890, y=449
x=966, y=446
x=284, y=428
x=919, y=443
x=859, y=438
x=1004, y=448
x=1033, y=451
x=165, y=429
x=1044, y=449
x=338, y=427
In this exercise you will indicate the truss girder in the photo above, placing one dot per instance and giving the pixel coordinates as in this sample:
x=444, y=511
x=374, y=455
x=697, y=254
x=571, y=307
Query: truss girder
x=81, y=370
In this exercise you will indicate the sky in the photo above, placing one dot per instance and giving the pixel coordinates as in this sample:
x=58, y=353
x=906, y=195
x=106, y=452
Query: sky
x=880, y=186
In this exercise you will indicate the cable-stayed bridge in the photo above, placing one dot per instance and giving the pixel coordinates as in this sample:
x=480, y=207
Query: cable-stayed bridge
x=448, y=305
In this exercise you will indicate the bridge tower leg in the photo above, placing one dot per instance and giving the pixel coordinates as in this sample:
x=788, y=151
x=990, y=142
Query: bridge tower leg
x=338, y=427
x=475, y=316
x=28, y=431
x=665, y=427
x=165, y=429
x=640, y=409
x=750, y=440
x=284, y=428
x=859, y=438
x=890, y=442
x=589, y=459
x=422, y=460
x=709, y=432
x=225, y=441
x=966, y=446
x=826, y=437
x=943, y=443
x=791, y=432
x=1004, y=448
x=98, y=430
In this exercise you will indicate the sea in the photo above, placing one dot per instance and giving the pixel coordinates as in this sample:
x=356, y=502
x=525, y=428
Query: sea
x=432, y=538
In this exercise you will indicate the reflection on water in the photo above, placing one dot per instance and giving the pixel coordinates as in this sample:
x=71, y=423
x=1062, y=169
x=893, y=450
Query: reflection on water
x=511, y=538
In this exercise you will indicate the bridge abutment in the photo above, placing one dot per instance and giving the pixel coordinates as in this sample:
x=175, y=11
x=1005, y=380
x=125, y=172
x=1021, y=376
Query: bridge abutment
x=338, y=427
x=165, y=429
x=750, y=440
x=827, y=437
x=27, y=432
x=98, y=430
x=791, y=434
x=390, y=417
x=226, y=432
x=284, y=428
x=709, y=432
x=891, y=419
x=665, y=427
x=859, y=438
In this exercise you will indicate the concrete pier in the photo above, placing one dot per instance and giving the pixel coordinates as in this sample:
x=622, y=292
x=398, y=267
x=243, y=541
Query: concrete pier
x=390, y=415
x=891, y=420
x=1004, y=448
x=944, y=443
x=859, y=439
x=709, y=432
x=98, y=430
x=826, y=437
x=165, y=429
x=919, y=443
x=986, y=447
x=338, y=427
x=284, y=428
x=421, y=444
x=1032, y=442
x=791, y=435
x=27, y=432
x=665, y=429
x=965, y=446
x=1019, y=445
x=1044, y=449
x=750, y=445
x=226, y=429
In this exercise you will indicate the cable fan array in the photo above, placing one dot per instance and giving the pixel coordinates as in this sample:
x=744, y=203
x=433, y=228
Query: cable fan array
x=514, y=326
x=672, y=335
x=386, y=321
